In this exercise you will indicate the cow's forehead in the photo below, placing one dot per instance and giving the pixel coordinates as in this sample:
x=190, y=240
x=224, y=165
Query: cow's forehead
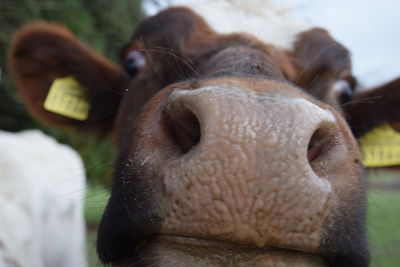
x=185, y=43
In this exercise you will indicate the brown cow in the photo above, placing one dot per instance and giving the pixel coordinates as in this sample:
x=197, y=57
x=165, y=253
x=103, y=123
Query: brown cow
x=232, y=152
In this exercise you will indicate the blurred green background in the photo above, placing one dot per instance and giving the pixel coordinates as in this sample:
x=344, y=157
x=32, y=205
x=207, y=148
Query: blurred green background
x=106, y=25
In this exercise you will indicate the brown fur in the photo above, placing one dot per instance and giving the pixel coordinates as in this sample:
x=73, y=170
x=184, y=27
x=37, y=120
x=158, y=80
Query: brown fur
x=176, y=43
x=320, y=61
x=373, y=107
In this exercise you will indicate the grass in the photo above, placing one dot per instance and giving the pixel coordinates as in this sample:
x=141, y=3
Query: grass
x=93, y=260
x=385, y=176
x=384, y=227
x=95, y=203
x=383, y=223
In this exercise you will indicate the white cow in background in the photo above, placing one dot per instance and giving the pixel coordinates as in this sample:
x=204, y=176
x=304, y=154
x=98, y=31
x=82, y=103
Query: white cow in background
x=42, y=187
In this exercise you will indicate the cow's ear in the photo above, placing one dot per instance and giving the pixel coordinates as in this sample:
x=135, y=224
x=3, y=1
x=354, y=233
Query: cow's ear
x=370, y=108
x=320, y=61
x=62, y=81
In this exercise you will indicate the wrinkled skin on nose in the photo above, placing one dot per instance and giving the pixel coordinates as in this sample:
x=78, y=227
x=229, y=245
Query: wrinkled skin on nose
x=249, y=179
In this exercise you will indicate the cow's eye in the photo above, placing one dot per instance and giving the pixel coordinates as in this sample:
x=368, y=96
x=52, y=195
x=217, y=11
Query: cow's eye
x=343, y=91
x=346, y=95
x=134, y=61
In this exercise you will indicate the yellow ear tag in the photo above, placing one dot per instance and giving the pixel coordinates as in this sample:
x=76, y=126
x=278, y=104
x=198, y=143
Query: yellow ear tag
x=67, y=97
x=380, y=147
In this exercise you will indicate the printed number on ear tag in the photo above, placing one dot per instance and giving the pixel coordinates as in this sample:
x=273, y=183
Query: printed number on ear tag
x=67, y=97
x=380, y=147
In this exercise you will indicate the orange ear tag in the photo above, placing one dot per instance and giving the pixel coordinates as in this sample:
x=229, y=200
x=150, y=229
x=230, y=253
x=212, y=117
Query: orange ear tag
x=67, y=97
x=380, y=147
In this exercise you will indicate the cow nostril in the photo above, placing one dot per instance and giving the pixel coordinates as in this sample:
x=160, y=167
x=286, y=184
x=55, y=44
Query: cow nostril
x=183, y=127
x=314, y=147
x=321, y=142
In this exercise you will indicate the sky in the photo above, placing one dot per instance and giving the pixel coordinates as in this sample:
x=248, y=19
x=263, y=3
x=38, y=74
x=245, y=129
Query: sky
x=371, y=32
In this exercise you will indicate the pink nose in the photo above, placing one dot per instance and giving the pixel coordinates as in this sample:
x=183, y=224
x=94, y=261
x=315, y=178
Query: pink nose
x=251, y=167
